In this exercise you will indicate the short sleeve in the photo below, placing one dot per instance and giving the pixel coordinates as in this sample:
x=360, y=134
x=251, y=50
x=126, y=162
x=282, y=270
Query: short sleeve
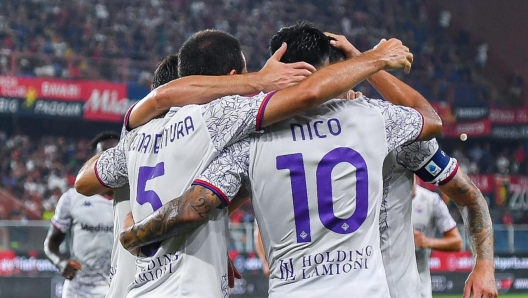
x=111, y=167
x=443, y=220
x=428, y=161
x=232, y=118
x=403, y=125
x=126, y=119
x=62, y=219
x=225, y=175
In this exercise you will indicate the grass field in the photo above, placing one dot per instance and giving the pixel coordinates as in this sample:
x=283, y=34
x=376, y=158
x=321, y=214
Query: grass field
x=503, y=295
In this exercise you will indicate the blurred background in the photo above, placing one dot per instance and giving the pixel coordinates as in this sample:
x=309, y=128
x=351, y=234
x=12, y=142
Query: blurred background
x=71, y=68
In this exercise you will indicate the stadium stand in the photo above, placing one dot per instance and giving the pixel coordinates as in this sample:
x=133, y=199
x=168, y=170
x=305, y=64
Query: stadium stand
x=96, y=40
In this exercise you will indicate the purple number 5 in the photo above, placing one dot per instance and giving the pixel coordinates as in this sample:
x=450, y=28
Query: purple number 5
x=149, y=196
x=295, y=163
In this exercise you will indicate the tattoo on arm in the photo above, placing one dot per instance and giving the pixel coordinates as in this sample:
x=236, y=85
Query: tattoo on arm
x=475, y=213
x=174, y=218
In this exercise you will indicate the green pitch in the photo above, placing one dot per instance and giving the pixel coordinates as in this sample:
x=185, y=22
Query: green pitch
x=500, y=295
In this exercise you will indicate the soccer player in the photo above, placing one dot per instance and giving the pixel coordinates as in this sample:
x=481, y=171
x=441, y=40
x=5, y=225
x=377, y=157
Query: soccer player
x=273, y=75
x=324, y=138
x=89, y=222
x=432, y=165
x=429, y=214
x=163, y=146
x=123, y=266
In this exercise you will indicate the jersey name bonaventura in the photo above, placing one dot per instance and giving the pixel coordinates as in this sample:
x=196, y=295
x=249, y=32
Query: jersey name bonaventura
x=397, y=239
x=89, y=221
x=316, y=185
x=160, y=160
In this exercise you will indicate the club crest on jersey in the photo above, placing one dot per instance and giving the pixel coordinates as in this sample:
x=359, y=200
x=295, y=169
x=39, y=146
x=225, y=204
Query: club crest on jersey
x=87, y=204
x=419, y=209
x=433, y=168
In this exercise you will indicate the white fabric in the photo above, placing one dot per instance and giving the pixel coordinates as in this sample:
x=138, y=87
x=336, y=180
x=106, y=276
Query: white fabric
x=123, y=264
x=160, y=160
x=327, y=150
x=429, y=214
x=89, y=221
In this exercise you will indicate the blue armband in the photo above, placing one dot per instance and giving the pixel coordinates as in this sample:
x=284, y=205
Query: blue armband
x=434, y=167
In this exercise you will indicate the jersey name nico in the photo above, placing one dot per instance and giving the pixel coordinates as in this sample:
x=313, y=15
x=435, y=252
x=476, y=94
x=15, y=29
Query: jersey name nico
x=316, y=129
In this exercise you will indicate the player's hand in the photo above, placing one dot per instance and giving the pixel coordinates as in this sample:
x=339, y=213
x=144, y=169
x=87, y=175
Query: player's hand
x=420, y=240
x=123, y=236
x=68, y=268
x=232, y=273
x=129, y=221
x=481, y=281
x=342, y=43
x=394, y=54
x=351, y=94
x=276, y=75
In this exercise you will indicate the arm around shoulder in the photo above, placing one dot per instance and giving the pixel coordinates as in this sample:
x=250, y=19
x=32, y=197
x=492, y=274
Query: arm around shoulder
x=86, y=182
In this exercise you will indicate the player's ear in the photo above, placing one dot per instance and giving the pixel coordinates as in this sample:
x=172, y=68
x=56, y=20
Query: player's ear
x=232, y=72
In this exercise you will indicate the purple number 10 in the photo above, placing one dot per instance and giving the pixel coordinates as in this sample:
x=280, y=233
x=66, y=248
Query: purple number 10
x=295, y=163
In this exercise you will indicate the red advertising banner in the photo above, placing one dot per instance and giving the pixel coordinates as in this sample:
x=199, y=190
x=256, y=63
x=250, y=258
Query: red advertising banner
x=508, y=191
x=486, y=183
x=476, y=128
x=103, y=101
x=461, y=261
x=509, y=116
x=106, y=102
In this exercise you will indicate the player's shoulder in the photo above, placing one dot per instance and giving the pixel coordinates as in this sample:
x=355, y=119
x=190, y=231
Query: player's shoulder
x=360, y=103
x=236, y=98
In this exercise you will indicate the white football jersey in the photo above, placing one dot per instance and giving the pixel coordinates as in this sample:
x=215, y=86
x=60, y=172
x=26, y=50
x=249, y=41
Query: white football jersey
x=396, y=232
x=316, y=184
x=429, y=214
x=123, y=264
x=89, y=221
x=161, y=159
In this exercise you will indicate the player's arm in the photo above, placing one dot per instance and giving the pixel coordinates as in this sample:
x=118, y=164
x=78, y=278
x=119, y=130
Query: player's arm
x=275, y=75
x=397, y=92
x=174, y=218
x=444, y=222
x=67, y=268
x=479, y=229
x=335, y=79
x=86, y=182
x=60, y=222
x=241, y=197
x=104, y=171
x=215, y=187
x=451, y=241
x=259, y=249
x=453, y=182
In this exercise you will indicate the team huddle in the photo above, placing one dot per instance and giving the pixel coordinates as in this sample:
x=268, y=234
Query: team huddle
x=329, y=172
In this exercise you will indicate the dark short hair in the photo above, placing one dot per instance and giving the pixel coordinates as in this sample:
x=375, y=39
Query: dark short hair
x=210, y=52
x=335, y=54
x=103, y=136
x=166, y=71
x=305, y=43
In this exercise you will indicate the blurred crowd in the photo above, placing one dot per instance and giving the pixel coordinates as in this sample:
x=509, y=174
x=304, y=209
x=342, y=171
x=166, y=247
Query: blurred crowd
x=36, y=171
x=123, y=40
x=488, y=157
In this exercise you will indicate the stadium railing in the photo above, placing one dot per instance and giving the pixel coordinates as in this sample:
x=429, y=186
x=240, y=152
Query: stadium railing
x=27, y=236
